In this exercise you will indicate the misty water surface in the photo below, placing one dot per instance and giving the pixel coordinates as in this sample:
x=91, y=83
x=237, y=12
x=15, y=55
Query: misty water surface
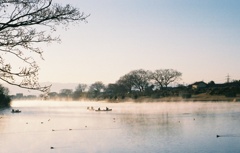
x=173, y=127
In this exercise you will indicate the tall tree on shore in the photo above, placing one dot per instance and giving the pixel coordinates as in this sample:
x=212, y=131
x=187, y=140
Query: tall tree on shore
x=126, y=82
x=135, y=80
x=141, y=79
x=163, y=77
x=23, y=25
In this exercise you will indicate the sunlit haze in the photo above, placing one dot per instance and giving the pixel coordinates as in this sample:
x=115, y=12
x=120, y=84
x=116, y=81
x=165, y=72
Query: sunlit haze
x=199, y=38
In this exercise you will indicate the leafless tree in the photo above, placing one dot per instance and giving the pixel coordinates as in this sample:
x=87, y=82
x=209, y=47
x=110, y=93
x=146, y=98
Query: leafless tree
x=23, y=25
x=140, y=79
x=163, y=77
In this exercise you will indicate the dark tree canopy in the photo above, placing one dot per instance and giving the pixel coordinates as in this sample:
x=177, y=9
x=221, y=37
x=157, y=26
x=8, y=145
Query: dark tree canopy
x=136, y=79
x=126, y=81
x=66, y=92
x=79, y=90
x=116, y=89
x=95, y=89
x=23, y=25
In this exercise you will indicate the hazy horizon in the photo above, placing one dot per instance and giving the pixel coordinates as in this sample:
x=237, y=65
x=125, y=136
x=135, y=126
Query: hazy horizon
x=57, y=86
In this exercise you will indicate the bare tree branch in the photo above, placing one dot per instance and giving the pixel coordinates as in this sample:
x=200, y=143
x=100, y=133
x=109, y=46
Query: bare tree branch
x=19, y=33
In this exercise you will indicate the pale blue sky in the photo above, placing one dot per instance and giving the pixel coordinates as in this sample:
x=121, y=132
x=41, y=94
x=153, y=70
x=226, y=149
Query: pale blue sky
x=200, y=38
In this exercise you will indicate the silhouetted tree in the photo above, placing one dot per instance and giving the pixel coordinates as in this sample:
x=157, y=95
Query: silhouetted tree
x=163, y=77
x=140, y=79
x=211, y=84
x=126, y=82
x=135, y=80
x=23, y=25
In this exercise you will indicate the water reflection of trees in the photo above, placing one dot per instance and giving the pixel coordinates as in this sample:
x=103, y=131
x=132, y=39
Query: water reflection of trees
x=2, y=119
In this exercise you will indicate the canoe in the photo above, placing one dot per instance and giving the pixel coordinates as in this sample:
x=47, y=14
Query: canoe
x=103, y=110
x=16, y=111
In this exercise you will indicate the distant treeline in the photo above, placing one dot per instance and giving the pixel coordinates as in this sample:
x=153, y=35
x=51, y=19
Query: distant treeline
x=144, y=83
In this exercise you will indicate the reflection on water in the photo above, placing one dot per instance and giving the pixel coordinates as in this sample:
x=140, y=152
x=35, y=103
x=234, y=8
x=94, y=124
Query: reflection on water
x=131, y=127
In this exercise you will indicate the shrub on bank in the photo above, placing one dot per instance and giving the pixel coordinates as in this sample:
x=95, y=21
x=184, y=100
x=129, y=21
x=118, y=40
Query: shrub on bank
x=186, y=95
x=4, y=100
x=230, y=94
x=4, y=97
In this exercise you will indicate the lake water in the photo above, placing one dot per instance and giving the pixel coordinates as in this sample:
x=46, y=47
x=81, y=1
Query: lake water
x=171, y=127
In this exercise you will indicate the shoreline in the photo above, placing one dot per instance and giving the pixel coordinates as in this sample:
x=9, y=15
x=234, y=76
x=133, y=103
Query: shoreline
x=194, y=98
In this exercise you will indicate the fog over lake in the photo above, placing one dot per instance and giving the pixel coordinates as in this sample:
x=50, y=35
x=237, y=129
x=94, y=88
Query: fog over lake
x=168, y=127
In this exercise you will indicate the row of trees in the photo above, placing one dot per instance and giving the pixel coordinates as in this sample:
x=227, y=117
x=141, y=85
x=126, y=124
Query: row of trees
x=153, y=84
x=133, y=84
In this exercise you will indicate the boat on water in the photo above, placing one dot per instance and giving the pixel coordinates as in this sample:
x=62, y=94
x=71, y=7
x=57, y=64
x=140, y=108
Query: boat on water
x=103, y=110
x=107, y=109
x=16, y=111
